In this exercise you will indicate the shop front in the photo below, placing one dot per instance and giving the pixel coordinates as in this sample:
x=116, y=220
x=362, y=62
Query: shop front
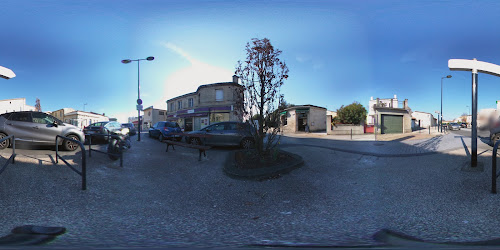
x=196, y=119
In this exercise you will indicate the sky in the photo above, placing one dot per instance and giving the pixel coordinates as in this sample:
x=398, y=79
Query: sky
x=68, y=53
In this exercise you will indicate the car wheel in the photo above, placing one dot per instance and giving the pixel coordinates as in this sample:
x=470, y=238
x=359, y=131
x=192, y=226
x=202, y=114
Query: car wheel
x=195, y=141
x=160, y=138
x=5, y=143
x=247, y=143
x=70, y=145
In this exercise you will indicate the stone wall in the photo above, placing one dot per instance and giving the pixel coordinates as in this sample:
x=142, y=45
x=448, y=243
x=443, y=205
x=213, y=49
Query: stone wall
x=345, y=129
x=316, y=119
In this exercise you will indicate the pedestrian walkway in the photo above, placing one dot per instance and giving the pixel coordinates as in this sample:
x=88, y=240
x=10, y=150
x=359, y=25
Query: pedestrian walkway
x=391, y=145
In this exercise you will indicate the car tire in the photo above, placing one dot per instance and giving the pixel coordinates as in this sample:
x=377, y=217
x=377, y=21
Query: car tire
x=194, y=141
x=69, y=145
x=4, y=144
x=160, y=138
x=247, y=143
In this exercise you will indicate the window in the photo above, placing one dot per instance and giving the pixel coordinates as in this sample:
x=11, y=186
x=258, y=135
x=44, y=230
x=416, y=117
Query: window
x=231, y=126
x=172, y=106
x=179, y=105
x=21, y=117
x=190, y=102
x=217, y=127
x=162, y=113
x=219, y=95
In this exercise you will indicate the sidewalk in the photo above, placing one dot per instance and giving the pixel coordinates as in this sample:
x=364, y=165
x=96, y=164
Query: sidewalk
x=388, y=145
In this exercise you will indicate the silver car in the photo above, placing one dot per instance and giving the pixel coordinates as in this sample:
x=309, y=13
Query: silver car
x=38, y=128
x=223, y=134
x=453, y=126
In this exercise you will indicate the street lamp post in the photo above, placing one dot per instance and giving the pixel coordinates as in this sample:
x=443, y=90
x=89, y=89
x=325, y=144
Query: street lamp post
x=441, y=121
x=139, y=101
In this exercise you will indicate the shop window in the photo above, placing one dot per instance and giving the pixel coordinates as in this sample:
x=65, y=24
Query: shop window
x=219, y=117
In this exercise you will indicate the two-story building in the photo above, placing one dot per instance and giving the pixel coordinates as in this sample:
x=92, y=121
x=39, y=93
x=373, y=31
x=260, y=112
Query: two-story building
x=210, y=103
x=389, y=115
x=152, y=116
x=16, y=104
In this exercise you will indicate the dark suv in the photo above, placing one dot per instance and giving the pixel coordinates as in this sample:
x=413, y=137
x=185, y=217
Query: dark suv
x=38, y=128
x=162, y=130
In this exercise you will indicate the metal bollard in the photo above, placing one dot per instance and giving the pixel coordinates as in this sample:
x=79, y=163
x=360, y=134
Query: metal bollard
x=351, y=134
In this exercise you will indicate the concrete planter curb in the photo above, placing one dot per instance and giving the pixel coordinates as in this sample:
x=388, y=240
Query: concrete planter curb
x=231, y=170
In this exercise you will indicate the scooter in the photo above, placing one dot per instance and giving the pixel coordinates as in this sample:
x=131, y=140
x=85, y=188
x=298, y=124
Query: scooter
x=118, y=143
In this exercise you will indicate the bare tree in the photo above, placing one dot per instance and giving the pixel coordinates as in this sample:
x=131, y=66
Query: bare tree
x=262, y=74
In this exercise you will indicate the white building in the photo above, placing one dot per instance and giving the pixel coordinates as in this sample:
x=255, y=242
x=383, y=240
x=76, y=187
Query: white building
x=82, y=119
x=388, y=102
x=16, y=104
x=423, y=119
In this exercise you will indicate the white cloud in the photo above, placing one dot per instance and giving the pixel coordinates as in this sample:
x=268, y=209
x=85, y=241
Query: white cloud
x=188, y=79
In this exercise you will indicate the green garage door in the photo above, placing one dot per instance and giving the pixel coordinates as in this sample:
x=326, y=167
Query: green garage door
x=392, y=124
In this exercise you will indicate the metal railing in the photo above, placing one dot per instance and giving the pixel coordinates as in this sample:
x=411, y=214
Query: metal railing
x=494, y=174
x=83, y=172
x=120, y=155
x=12, y=157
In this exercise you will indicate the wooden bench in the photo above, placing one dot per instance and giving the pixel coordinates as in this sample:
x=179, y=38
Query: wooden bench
x=201, y=148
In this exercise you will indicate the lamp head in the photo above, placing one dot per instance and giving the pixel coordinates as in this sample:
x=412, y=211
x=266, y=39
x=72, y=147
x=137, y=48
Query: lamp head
x=448, y=76
x=126, y=61
x=150, y=58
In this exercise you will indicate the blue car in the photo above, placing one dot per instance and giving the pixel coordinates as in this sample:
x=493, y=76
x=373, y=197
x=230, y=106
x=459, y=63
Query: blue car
x=165, y=130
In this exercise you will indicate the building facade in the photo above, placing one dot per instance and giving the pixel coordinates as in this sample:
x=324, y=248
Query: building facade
x=152, y=116
x=16, y=104
x=423, y=119
x=82, y=119
x=210, y=103
x=77, y=117
x=389, y=115
x=304, y=118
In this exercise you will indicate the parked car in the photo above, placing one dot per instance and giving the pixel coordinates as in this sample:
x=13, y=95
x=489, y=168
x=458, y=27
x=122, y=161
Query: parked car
x=225, y=134
x=163, y=130
x=38, y=128
x=453, y=126
x=98, y=130
x=131, y=127
x=463, y=125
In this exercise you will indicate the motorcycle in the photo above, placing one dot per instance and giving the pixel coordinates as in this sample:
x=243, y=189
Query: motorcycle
x=118, y=143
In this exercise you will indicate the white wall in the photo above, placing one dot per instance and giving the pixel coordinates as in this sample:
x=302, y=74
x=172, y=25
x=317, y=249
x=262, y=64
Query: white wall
x=11, y=105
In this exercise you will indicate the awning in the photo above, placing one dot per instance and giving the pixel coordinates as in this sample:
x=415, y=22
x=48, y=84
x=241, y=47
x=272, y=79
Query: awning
x=302, y=111
x=283, y=113
x=6, y=73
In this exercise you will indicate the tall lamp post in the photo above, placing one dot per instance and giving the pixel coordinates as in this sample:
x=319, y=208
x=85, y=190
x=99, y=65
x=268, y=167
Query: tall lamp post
x=139, y=101
x=441, y=122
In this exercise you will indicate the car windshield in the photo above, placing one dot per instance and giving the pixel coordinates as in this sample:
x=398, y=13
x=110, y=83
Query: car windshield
x=282, y=124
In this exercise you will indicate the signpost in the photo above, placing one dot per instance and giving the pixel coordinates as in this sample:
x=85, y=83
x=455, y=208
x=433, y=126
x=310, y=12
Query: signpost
x=474, y=66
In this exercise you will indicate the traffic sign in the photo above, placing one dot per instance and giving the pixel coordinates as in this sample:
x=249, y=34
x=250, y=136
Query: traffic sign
x=139, y=107
x=139, y=101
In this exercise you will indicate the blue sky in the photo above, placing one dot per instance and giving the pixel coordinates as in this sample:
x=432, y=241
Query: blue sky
x=68, y=53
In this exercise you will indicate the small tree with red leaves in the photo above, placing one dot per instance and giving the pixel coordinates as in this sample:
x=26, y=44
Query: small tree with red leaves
x=262, y=74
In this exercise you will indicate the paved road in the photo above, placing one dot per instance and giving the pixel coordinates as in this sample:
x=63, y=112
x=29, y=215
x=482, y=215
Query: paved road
x=467, y=132
x=171, y=199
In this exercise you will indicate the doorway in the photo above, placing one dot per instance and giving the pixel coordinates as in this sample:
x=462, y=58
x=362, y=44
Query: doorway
x=188, y=124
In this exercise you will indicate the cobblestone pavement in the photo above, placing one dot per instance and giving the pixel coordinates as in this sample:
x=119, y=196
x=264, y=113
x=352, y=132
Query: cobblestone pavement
x=336, y=198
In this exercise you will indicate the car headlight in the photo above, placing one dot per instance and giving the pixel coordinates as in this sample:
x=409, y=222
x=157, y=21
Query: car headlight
x=125, y=131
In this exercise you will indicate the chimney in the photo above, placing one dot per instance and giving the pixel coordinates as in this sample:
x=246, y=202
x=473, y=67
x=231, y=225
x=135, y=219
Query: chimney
x=371, y=98
x=395, y=97
x=235, y=78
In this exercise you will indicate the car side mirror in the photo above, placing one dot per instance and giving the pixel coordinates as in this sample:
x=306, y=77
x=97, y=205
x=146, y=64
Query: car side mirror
x=54, y=124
